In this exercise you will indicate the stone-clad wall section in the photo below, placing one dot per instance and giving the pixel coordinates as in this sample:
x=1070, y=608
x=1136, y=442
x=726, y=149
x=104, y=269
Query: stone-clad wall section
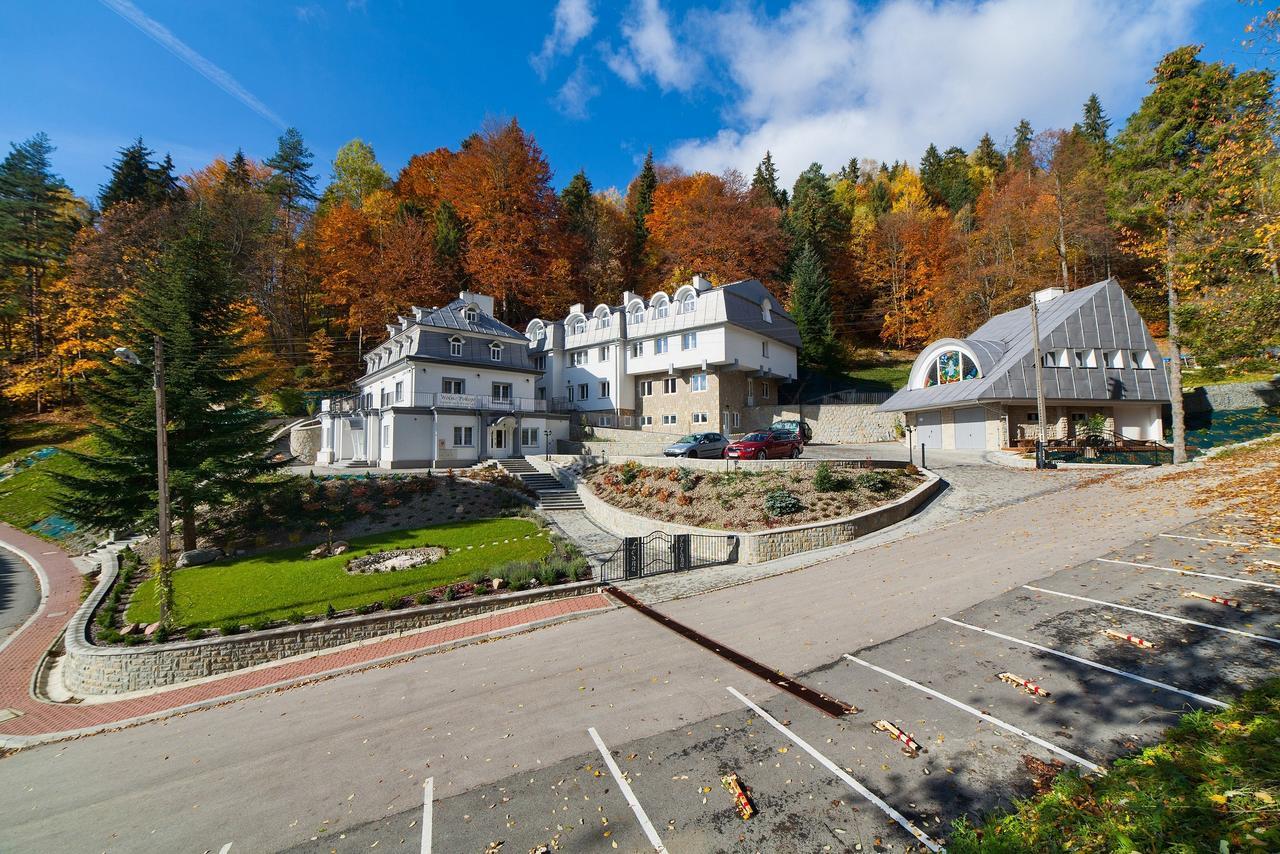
x=98, y=670
x=1217, y=398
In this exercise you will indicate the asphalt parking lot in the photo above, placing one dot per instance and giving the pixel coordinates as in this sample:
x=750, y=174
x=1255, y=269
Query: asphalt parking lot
x=826, y=784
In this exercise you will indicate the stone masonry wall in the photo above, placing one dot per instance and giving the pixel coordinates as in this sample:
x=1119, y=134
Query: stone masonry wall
x=101, y=670
x=1216, y=398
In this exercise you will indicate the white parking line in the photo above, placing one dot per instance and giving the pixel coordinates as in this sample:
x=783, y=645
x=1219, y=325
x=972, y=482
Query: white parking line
x=1190, y=572
x=1094, y=664
x=840, y=772
x=1066, y=754
x=645, y=824
x=428, y=795
x=1221, y=542
x=225, y=848
x=1158, y=615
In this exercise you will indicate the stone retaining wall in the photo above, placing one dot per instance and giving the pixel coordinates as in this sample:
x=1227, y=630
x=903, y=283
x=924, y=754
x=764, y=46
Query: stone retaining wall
x=842, y=423
x=1217, y=398
x=718, y=465
x=759, y=546
x=102, y=670
x=304, y=441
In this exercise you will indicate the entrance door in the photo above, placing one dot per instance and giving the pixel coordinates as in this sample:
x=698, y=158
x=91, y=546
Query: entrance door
x=971, y=428
x=499, y=438
x=929, y=429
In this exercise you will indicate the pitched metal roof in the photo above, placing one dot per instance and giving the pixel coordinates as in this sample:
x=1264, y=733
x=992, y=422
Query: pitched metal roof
x=1099, y=316
x=743, y=303
x=453, y=316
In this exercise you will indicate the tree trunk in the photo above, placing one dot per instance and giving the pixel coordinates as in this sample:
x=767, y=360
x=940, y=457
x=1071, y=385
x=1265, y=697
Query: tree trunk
x=1062, y=232
x=1175, y=350
x=188, y=527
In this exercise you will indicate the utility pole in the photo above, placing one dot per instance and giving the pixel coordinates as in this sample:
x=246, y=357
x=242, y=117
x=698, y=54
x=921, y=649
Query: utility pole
x=164, y=582
x=1175, y=349
x=1041, y=411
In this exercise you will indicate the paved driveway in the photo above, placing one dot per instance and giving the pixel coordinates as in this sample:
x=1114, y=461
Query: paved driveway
x=19, y=593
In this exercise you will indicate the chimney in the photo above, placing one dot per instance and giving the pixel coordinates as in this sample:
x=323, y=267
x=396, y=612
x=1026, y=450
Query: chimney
x=627, y=297
x=577, y=308
x=1049, y=293
x=482, y=302
x=700, y=283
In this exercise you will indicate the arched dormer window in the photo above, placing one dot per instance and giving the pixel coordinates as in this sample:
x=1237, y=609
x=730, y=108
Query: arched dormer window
x=686, y=300
x=766, y=311
x=950, y=366
x=635, y=312
x=577, y=325
x=661, y=306
x=472, y=314
x=603, y=317
x=455, y=346
x=495, y=351
x=536, y=332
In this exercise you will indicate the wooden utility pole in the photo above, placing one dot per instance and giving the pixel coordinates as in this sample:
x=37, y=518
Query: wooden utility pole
x=1175, y=348
x=1042, y=412
x=164, y=582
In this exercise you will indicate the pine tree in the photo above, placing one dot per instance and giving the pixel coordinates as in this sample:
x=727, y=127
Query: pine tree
x=165, y=188
x=642, y=201
x=217, y=436
x=132, y=177
x=849, y=172
x=931, y=170
x=811, y=308
x=291, y=180
x=1020, y=154
x=36, y=229
x=765, y=183
x=238, y=172
x=449, y=240
x=1096, y=124
x=987, y=156
x=814, y=216
x=577, y=206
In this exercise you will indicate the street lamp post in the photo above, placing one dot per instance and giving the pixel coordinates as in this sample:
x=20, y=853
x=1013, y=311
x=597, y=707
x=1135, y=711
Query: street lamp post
x=162, y=471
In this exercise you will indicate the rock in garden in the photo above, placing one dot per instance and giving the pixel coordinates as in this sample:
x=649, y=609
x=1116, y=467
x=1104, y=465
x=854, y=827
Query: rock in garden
x=339, y=548
x=499, y=583
x=151, y=629
x=129, y=629
x=195, y=557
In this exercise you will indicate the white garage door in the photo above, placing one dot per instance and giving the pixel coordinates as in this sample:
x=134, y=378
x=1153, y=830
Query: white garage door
x=929, y=429
x=971, y=427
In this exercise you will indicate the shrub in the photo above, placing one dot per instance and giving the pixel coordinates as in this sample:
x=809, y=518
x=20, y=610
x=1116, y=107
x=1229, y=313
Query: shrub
x=683, y=500
x=549, y=575
x=912, y=469
x=391, y=604
x=329, y=611
x=297, y=617
x=630, y=471
x=1212, y=373
x=425, y=599
x=161, y=634
x=195, y=633
x=781, y=502
x=109, y=636
x=874, y=481
x=478, y=576
x=367, y=609
x=231, y=627
x=688, y=479
x=259, y=624
x=450, y=593
x=824, y=480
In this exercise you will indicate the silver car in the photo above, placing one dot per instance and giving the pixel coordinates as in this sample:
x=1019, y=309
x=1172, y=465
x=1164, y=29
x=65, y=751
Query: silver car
x=698, y=445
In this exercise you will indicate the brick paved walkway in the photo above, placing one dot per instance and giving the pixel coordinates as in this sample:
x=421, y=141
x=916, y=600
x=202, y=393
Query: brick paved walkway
x=19, y=659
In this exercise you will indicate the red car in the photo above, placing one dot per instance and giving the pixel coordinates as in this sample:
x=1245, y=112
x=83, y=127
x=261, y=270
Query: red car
x=765, y=446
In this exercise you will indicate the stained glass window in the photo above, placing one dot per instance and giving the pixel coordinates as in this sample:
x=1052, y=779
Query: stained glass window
x=950, y=366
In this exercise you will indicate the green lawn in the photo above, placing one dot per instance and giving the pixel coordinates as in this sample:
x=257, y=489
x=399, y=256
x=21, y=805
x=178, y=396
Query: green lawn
x=1212, y=785
x=27, y=496
x=880, y=376
x=275, y=585
x=1191, y=378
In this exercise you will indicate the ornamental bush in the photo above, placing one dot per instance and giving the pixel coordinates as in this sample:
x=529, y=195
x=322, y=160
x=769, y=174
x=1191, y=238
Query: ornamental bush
x=874, y=481
x=781, y=502
x=825, y=481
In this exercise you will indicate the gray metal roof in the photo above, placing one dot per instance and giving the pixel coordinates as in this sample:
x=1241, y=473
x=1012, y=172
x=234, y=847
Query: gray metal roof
x=742, y=307
x=1099, y=316
x=453, y=316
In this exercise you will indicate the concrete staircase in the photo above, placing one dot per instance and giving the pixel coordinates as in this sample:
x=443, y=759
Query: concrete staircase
x=551, y=494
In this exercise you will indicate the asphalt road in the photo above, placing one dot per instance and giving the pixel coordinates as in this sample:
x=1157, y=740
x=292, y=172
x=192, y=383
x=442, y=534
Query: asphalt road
x=19, y=593
x=340, y=765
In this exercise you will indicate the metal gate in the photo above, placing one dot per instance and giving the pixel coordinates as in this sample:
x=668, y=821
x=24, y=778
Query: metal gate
x=659, y=553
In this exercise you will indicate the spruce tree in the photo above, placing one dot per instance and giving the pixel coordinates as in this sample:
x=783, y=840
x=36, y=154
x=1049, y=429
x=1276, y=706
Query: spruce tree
x=765, y=183
x=578, y=206
x=1020, y=154
x=955, y=188
x=931, y=171
x=291, y=180
x=132, y=177
x=642, y=201
x=849, y=172
x=450, y=236
x=238, y=172
x=811, y=309
x=165, y=188
x=988, y=156
x=217, y=435
x=1096, y=124
x=814, y=216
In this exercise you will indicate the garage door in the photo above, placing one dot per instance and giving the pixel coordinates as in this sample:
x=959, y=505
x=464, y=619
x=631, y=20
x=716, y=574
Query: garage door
x=929, y=429
x=971, y=427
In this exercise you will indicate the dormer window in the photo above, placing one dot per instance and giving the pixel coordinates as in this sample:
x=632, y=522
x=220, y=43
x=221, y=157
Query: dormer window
x=603, y=318
x=455, y=346
x=950, y=366
x=636, y=313
x=766, y=311
x=660, y=306
x=686, y=304
x=578, y=326
x=495, y=351
x=472, y=314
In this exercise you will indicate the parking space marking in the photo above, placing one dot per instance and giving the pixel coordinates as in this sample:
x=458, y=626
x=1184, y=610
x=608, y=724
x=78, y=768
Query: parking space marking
x=1191, y=572
x=645, y=824
x=225, y=848
x=1066, y=754
x=840, y=773
x=1221, y=542
x=1094, y=664
x=1159, y=616
x=428, y=795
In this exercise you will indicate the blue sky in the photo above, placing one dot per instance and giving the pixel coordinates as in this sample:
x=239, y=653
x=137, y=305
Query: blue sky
x=707, y=85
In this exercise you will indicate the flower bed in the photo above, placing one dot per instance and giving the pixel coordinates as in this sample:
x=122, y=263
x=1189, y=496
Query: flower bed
x=747, y=500
x=396, y=559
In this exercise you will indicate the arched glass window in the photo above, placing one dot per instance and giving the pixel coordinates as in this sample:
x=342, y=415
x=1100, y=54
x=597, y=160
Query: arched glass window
x=766, y=311
x=577, y=326
x=686, y=304
x=495, y=351
x=455, y=346
x=636, y=312
x=472, y=314
x=602, y=318
x=537, y=332
x=950, y=366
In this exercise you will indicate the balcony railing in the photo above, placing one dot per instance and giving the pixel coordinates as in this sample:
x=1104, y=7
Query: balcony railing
x=430, y=399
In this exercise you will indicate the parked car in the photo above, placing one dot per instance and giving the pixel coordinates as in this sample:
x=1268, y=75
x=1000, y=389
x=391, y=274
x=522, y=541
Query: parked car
x=772, y=444
x=794, y=426
x=698, y=445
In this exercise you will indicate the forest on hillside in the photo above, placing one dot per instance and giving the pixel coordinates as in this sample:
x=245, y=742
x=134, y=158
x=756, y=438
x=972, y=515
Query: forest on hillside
x=870, y=255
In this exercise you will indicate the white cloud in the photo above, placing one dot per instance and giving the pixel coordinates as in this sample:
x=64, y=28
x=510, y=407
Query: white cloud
x=576, y=93
x=573, y=21
x=650, y=48
x=160, y=34
x=826, y=80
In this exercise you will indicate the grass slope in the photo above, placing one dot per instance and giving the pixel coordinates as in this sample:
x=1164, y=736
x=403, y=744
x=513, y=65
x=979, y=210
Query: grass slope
x=277, y=584
x=27, y=496
x=1213, y=785
x=880, y=376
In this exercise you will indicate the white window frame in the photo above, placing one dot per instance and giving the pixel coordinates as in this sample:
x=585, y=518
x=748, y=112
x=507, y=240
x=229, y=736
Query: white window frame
x=386, y=435
x=698, y=382
x=661, y=308
x=578, y=327
x=737, y=419
x=766, y=312
x=637, y=349
x=472, y=314
x=668, y=420
x=764, y=349
x=399, y=391
x=626, y=421
x=540, y=363
x=701, y=418
x=670, y=385
x=463, y=437
x=495, y=351
x=1113, y=358
x=646, y=388
x=660, y=346
x=689, y=341
x=636, y=314
x=646, y=420
x=584, y=391
x=764, y=391
x=604, y=421
x=686, y=304
x=529, y=437
x=455, y=346
x=500, y=391
x=604, y=388
x=445, y=382
x=603, y=354
x=1141, y=360
x=577, y=358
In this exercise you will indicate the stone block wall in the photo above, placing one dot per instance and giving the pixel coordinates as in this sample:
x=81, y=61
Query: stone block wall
x=1216, y=398
x=304, y=441
x=89, y=670
x=834, y=423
